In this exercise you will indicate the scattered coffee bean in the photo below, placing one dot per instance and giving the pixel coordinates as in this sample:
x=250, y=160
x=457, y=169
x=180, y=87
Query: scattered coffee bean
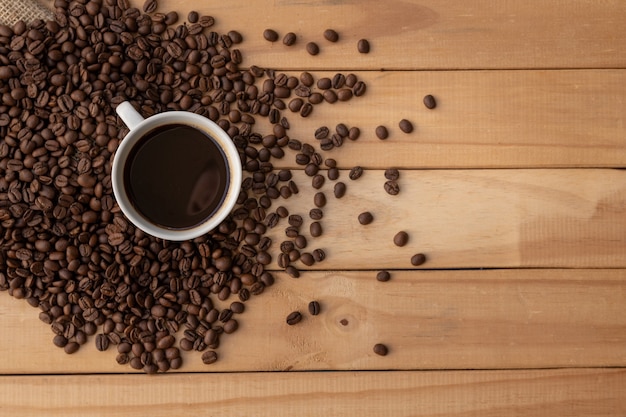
x=392, y=187
x=366, y=218
x=319, y=255
x=392, y=174
x=289, y=39
x=319, y=199
x=312, y=48
x=270, y=35
x=340, y=189
x=209, y=357
x=418, y=259
x=380, y=349
x=307, y=259
x=102, y=342
x=314, y=308
x=149, y=6
x=363, y=46
x=430, y=102
x=382, y=133
x=355, y=173
x=401, y=238
x=383, y=276
x=316, y=214
x=330, y=35
x=294, y=318
x=406, y=126
x=317, y=181
x=315, y=229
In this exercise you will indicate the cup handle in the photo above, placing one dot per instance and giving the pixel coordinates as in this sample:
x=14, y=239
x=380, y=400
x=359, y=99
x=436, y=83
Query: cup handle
x=129, y=115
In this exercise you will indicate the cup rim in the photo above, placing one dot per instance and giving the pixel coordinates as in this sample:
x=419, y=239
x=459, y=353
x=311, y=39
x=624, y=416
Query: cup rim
x=197, y=121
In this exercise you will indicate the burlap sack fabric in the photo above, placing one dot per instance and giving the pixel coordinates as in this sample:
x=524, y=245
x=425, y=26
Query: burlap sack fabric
x=12, y=11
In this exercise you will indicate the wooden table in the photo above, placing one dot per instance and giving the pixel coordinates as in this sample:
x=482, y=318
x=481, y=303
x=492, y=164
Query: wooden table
x=513, y=187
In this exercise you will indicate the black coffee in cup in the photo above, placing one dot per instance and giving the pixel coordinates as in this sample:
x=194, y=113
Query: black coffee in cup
x=176, y=176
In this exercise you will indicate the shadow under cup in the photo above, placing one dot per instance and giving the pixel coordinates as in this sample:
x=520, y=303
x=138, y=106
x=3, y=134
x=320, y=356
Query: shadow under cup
x=176, y=179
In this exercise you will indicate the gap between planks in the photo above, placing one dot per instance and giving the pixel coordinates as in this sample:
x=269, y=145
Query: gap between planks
x=579, y=392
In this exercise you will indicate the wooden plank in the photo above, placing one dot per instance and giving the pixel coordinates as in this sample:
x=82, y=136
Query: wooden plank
x=491, y=319
x=583, y=392
x=484, y=119
x=425, y=35
x=470, y=219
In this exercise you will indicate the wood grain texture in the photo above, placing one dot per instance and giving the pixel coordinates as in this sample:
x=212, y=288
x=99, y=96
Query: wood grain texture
x=471, y=219
x=476, y=34
x=490, y=319
x=584, y=392
x=483, y=119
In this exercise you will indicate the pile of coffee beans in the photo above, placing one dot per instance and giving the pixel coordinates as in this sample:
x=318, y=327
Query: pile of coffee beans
x=66, y=248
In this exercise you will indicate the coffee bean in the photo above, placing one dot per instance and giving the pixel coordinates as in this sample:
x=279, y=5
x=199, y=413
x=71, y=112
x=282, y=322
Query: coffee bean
x=380, y=349
x=209, y=357
x=355, y=173
x=289, y=39
x=392, y=187
x=102, y=342
x=294, y=318
x=312, y=48
x=314, y=308
x=307, y=259
x=321, y=132
x=383, y=276
x=401, y=238
x=319, y=255
x=331, y=35
x=430, y=102
x=333, y=174
x=340, y=189
x=363, y=46
x=319, y=199
x=193, y=17
x=317, y=181
x=418, y=259
x=382, y=133
x=292, y=271
x=392, y=174
x=315, y=229
x=366, y=218
x=149, y=6
x=306, y=78
x=270, y=35
x=406, y=126
x=324, y=83
x=316, y=214
x=71, y=347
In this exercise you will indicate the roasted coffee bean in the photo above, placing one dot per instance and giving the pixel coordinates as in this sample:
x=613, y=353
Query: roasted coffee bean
x=149, y=6
x=314, y=308
x=359, y=88
x=319, y=255
x=295, y=220
x=331, y=35
x=102, y=342
x=380, y=349
x=306, y=79
x=315, y=229
x=406, y=126
x=316, y=214
x=321, y=132
x=366, y=218
x=333, y=174
x=312, y=48
x=392, y=174
x=363, y=46
x=340, y=189
x=307, y=259
x=381, y=132
x=392, y=187
x=401, y=238
x=292, y=271
x=418, y=259
x=209, y=357
x=71, y=347
x=193, y=17
x=319, y=199
x=383, y=276
x=289, y=39
x=294, y=318
x=270, y=35
x=430, y=102
x=355, y=173
x=317, y=181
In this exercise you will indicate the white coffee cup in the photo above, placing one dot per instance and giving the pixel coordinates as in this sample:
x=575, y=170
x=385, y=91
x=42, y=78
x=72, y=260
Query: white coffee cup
x=138, y=129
